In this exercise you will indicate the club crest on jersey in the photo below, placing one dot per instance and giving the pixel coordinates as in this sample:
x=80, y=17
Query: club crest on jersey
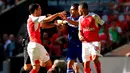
x=89, y=19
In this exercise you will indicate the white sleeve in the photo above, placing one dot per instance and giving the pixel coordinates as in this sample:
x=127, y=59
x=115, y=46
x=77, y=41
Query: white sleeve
x=38, y=19
x=99, y=20
x=35, y=19
x=79, y=27
x=41, y=18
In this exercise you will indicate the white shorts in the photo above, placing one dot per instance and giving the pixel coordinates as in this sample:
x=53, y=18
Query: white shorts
x=37, y=53
x=90, y=50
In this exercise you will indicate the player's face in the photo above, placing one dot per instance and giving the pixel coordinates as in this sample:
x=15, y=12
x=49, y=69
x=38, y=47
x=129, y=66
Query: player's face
x=80, y=10
x=38, y=11
x=73, y=11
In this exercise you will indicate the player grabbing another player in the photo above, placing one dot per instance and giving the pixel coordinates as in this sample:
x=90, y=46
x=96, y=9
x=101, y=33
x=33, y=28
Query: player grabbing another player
x=88, y=34
x=37, y=53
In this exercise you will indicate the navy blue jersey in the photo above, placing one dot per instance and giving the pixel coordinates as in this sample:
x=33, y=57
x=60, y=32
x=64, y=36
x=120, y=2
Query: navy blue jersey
x=73, y=32
x=74, y=44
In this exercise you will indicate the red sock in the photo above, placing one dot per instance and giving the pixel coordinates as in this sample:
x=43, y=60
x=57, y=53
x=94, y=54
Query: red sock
x=87, y=70
x=98, y=67
x=48, y=67
x=87, y=67
x=33, y=71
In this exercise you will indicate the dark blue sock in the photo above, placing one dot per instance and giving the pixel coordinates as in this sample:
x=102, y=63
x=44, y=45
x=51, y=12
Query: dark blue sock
x=70, y=70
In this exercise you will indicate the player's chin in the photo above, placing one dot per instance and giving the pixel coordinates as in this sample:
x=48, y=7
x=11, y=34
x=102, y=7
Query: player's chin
x=82, y=40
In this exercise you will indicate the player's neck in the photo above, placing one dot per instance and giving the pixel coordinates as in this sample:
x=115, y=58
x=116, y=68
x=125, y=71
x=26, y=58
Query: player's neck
x=35, y=15
x=85, y=14
x=75, y=16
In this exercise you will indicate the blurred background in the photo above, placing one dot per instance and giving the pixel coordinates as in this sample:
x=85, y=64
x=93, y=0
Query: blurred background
x=115, y=34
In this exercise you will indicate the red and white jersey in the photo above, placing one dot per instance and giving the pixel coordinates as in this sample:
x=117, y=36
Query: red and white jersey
x=33, y=27
x=88, y=25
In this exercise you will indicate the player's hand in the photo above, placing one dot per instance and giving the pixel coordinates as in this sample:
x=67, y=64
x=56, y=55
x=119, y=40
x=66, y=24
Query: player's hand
x=81, y=38
x=63, y=15
x=61, y=22
x=128, y=54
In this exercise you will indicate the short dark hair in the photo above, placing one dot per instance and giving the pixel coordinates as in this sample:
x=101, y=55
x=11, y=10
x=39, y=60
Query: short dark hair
x=84, y=5
x=75, y=5
x=32, y=7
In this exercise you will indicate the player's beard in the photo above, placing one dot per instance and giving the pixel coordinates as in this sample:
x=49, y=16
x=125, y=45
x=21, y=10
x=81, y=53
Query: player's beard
x=40, y=14
x=80, y=13
x=73, y=15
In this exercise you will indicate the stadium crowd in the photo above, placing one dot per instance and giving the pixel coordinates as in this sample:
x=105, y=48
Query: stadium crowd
x=4, y=4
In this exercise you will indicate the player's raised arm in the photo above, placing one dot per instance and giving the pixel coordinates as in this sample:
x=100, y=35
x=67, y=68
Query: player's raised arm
x=65, y=19
x=73, y=14
x=52, y=17
x=72, y=22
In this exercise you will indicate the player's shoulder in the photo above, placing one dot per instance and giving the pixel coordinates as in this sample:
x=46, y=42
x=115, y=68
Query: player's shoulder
x=80, y=17
x=36, y=19
x=32, y=18
x=93, y=14
x=29, y=18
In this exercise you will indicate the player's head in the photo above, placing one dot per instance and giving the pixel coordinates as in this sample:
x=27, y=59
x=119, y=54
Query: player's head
x=83, y=8
x=35, y=9
x=74, y=9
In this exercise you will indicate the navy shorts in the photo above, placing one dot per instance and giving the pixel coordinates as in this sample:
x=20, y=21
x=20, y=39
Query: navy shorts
x=74, y=51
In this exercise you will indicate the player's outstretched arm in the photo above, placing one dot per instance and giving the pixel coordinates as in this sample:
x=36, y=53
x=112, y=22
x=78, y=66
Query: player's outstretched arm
x=52, y=17
x=64, y=17
x=72, y=22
